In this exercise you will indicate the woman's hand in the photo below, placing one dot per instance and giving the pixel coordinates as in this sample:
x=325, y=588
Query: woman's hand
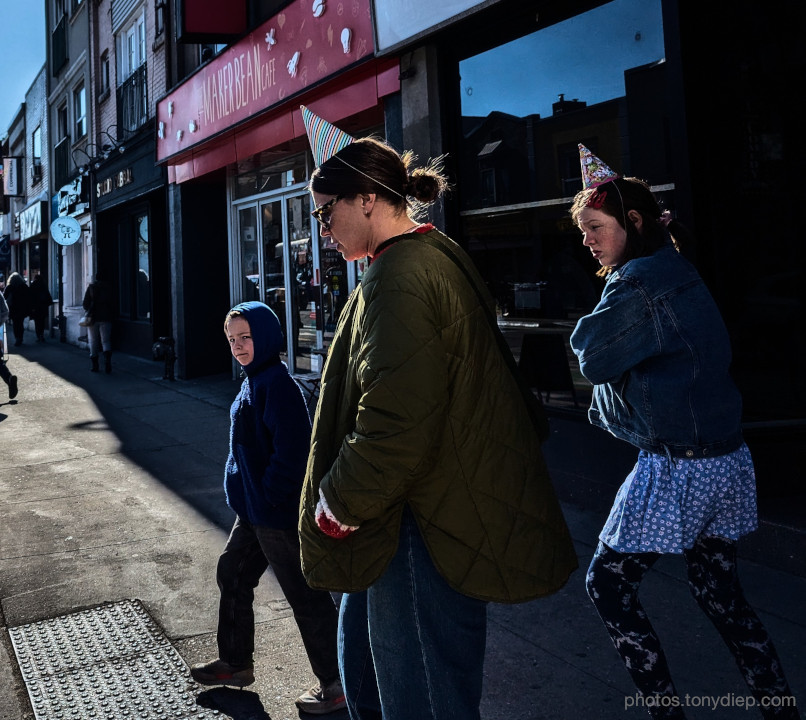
x=327, y=521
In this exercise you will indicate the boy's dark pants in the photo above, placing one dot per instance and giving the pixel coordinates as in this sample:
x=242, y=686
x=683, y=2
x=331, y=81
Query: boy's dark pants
x=249, y=551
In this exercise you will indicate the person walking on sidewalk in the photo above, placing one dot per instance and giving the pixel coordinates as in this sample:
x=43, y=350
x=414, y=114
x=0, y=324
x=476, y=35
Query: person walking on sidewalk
x=18, y=299
x=657, y=352
x=99, y=305
x=426, y=495
x=41, y=300
x=5, y=373
x=269, y=440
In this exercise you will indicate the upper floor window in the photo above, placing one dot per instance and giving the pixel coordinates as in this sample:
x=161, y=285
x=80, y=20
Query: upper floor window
x=131, y=46
x=80, y=111
x=36, y=146
x=61, y=122
x=58, y=36
x=159, y=17
x=60, y=9
x=103, y=80
x=36, y=155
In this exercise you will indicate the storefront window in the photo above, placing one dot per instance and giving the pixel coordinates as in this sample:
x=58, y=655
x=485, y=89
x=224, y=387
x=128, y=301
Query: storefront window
x=271, y=214
x=591, y=79
x=262, y=173
x=304, y=299
x=143, y=278
x=284, y=261
x=134, y=278
x=250, y=268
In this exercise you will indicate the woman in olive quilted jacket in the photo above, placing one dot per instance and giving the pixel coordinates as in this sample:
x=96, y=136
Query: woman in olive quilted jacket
x=426, y=495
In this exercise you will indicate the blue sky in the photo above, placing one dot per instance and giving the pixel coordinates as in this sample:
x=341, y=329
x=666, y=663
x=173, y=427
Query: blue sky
x=22, y=38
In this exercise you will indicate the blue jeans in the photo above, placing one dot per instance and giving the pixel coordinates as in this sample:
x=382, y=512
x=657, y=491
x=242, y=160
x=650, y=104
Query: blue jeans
x=100, y=337
x=410, y=646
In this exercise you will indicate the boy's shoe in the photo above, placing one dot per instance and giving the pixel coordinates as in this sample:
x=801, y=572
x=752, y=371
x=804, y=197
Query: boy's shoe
x=320, y=701
x=219, y=672
x=12, y=387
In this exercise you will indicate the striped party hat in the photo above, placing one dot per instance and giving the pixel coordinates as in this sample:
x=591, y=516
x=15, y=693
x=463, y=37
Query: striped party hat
x=326, y=140
x=594, y=171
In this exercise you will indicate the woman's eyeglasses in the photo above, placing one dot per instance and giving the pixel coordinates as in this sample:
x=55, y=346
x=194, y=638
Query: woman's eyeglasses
x=324, y=211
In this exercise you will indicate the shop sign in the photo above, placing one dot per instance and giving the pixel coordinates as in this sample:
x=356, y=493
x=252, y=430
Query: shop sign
x=70, y=199
x=31, y=221
x=299, y=47
x=118, y=180
x=65, y=230
x=12, y=177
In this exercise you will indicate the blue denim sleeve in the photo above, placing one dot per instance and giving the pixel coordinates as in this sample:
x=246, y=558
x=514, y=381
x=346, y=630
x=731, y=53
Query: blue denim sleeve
x=619, y=333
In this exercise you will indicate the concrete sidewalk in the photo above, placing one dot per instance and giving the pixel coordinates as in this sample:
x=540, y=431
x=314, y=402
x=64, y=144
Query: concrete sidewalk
x=110, y=488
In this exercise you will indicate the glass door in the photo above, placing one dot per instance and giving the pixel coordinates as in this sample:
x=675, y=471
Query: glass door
x=274, y=284
x=304, y=305
x=332, y=287
x=288, y=276
x=284, y=263
x=249, y=260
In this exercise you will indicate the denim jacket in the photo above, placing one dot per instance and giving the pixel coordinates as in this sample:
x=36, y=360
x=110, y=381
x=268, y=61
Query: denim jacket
x=658, y=353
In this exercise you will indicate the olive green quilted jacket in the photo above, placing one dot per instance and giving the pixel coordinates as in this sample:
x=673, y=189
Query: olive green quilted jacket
x=418, y=406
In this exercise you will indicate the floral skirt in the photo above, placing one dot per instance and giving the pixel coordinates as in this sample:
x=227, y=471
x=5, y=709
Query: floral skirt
x=666, y=503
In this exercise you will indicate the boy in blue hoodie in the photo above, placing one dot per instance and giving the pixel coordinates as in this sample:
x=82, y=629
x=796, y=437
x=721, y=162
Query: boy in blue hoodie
x=269, y=441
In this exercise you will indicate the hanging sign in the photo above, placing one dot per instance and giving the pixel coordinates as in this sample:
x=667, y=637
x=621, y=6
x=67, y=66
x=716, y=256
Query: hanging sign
x=65, y=230
x=12, y=177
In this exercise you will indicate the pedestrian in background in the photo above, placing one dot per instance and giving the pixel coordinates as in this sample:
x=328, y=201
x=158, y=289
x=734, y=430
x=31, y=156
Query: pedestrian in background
x=426, y=494
x=5, y=373
x=99, y=305
x=41, y=300
x=18, y=299
x=270, y=433
x=658, y=354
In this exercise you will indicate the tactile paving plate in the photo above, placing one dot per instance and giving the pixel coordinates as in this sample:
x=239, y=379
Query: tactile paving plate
x=111, y=662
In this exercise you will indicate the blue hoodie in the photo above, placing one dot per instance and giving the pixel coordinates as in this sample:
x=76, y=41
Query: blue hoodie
x=270, y=431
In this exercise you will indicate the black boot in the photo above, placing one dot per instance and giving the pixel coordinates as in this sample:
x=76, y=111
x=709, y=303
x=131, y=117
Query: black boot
x=94, y=359
x=108, y=360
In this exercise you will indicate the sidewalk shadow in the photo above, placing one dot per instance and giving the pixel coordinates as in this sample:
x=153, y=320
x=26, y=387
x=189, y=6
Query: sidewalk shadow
x=237, y=704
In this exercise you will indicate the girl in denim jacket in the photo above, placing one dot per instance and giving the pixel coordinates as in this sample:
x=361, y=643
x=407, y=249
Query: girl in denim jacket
x=657, y=352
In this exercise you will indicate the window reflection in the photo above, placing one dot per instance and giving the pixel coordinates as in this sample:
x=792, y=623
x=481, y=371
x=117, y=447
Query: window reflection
x=592, y=79
x=262, y=173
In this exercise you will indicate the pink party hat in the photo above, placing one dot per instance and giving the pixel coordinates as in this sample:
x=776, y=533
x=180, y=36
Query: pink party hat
x=325, y=139
x=594, y=171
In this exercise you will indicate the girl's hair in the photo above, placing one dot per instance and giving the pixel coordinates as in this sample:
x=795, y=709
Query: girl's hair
x=630, y=193
x=369, y=165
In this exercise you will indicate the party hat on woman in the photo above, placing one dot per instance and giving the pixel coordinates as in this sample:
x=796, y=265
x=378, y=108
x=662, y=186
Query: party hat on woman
x=594, y=171
x=325, y=139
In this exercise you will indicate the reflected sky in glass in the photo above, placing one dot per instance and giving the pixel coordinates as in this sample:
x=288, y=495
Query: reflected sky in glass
x=583, y=58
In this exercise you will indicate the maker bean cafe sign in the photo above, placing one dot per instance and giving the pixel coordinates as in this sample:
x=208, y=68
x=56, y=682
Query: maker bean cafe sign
x=309, y=41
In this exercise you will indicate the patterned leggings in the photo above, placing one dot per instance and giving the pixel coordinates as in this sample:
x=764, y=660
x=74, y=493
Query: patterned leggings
x=612, y=582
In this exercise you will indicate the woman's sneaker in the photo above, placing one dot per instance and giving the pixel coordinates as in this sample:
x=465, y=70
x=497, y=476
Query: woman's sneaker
x=219, y=672
x=319, y=700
